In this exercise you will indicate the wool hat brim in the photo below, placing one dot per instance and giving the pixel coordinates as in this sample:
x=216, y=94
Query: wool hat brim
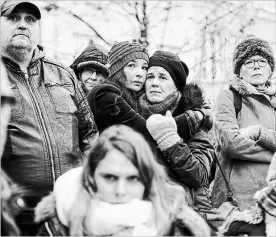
x=177, y=69
x=92, y=64
x=123, y=61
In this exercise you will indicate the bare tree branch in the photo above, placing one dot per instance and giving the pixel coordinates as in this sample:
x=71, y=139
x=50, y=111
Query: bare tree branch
x=54, y=6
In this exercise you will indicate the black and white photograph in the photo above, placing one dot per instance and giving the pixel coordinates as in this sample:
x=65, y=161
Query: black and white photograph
x=138, y=118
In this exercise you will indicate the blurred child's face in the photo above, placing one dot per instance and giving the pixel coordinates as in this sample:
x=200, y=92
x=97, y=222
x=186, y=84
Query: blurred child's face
x=117, y=179
x=135, y=72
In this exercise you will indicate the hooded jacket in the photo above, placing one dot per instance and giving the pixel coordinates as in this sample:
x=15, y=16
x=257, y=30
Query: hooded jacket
x=51, y=124
x=244, y=161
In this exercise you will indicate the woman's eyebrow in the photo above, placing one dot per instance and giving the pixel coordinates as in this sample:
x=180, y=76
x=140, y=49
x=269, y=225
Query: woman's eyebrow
x=163, y=74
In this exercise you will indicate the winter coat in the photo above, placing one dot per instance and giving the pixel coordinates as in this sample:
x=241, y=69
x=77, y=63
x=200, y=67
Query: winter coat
x=51, y=124
x=189, y=222
x=244, y=161
x=188, y=163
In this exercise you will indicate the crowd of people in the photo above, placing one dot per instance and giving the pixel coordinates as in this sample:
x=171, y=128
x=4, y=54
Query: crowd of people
x=120, y=143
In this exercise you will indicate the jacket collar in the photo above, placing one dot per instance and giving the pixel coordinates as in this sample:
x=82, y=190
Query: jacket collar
x=11, y=64
x=243, y=87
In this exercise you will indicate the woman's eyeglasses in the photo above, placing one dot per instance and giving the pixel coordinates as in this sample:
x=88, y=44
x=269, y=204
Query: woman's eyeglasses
x=251, y=63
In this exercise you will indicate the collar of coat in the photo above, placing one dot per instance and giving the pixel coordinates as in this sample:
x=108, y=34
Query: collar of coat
x=192, y=96
x=243, y=87
x=11, y=64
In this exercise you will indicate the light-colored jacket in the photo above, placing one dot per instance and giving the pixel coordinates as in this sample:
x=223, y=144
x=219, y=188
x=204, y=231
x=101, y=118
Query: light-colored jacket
x=244, y=161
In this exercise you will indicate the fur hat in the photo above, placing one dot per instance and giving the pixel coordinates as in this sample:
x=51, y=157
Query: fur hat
x=249, y=47
x=92, y=55
x=171, y=63
x=122, y=53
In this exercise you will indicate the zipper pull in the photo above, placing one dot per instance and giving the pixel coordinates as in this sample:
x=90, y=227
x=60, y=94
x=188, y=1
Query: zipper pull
x=26, y=75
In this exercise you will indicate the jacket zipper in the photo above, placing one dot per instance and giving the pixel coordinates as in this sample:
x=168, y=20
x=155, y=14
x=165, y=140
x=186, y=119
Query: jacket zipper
x=42, y=123
x=273, y=111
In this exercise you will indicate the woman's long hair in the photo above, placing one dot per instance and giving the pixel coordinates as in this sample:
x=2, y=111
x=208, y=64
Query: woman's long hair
x=152, y=174
x=131, y=97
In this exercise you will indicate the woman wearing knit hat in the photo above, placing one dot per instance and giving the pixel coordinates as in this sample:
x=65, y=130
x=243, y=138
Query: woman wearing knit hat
x=187, y=160
x=117, y=100
x=90, y=67
x=245, y=124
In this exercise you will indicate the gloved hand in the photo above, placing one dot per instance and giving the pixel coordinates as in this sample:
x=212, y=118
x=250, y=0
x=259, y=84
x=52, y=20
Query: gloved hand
x=207, y=118
x=163, y=129
x=270, y=89
x=251, y=132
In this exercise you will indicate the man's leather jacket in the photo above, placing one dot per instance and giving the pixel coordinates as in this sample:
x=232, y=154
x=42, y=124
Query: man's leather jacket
x=51, y=124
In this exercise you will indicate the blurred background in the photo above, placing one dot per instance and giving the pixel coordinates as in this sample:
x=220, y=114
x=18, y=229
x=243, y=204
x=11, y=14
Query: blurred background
x=202, y=33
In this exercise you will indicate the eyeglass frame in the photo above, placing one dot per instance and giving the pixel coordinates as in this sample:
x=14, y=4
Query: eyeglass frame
x=254, y=61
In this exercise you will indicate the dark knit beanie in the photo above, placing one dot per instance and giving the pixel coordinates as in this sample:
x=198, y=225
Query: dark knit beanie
x=177, y=69
x=249, y=47
x=92, y=55
x=122, y=53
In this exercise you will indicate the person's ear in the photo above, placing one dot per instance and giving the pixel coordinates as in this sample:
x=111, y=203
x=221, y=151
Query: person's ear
x=270, y=73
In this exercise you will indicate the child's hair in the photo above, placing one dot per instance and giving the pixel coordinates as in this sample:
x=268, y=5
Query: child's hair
x=153, y=176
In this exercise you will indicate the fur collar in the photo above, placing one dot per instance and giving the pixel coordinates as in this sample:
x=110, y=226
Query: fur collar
x=243, y=87
x=46, y=208
x=193, y=96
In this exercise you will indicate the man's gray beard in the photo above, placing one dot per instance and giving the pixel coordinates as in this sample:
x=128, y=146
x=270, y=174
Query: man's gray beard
x=18, y=53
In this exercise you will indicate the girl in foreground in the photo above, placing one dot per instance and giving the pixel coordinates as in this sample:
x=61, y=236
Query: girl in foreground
x=121, y=190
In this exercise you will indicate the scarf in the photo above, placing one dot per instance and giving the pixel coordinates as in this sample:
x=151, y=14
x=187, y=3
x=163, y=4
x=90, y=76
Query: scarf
x=170, y=103
x=128, y=219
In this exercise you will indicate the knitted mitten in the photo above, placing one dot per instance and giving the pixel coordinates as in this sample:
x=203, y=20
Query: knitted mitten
x=163, y=129
x=252, y=132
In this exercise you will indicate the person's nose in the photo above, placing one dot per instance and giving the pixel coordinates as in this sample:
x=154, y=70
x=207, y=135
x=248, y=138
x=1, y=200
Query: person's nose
x=154, y=82
x=121, y=189
x=22, y=24
x=94, y=76
x=139, y=72
x=256, y=65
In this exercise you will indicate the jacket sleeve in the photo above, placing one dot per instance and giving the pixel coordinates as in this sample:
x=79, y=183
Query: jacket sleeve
x=187, y=124
x=267, y=138
x=111, y=108
x=191, y=162
x=233, y=144
x=88, y=132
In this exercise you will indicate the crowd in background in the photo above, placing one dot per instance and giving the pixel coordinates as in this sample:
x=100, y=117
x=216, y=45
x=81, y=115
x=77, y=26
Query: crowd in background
x=119, y=143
